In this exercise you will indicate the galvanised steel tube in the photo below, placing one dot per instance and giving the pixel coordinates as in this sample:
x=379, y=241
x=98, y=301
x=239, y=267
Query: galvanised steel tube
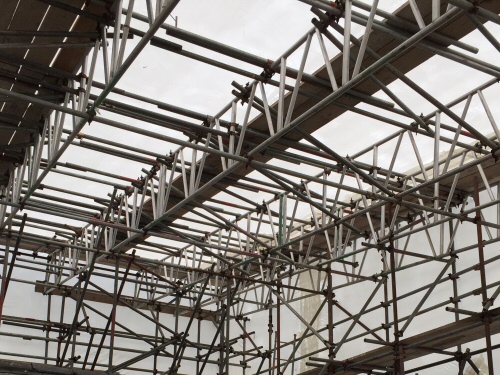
x=168, y=8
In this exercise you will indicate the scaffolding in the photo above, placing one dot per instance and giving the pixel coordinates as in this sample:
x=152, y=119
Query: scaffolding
x=254, y=220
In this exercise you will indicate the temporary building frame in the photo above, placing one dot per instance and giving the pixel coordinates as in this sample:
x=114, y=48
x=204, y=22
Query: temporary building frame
x=167, y=244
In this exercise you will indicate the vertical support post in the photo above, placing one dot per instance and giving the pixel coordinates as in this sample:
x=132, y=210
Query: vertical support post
x=347, y=42
x=6, y=278
x=61, y=332
x=436, y=9
x=5, y=271
x=232, y=132
x=244, y=345
x=48, y=328
x=113, y=315
x=176, y=326
x=482, y=271
x=498, y=209
x=157, y=330
x=398, y=349
x=270, y=331
x=281, y=98
x=281, y=222
x=198, y=350
x=386, y=298
x=398, y=354
x=278, y=332
x=221, y=339
x=329, y=300
x=149, y=8
x=454, y=279
x=436, y=163
x=73, y=334
x=228, y=321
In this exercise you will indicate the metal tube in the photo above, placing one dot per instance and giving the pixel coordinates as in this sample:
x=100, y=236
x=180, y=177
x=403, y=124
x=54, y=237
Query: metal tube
x=91, y=112
x=7, y=276
x=483, y=277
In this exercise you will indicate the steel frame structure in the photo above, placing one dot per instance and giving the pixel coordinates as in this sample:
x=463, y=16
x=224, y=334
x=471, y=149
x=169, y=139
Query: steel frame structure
x=221, y=265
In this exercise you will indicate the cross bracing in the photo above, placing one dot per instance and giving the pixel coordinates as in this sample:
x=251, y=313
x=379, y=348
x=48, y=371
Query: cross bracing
x=338, y=214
